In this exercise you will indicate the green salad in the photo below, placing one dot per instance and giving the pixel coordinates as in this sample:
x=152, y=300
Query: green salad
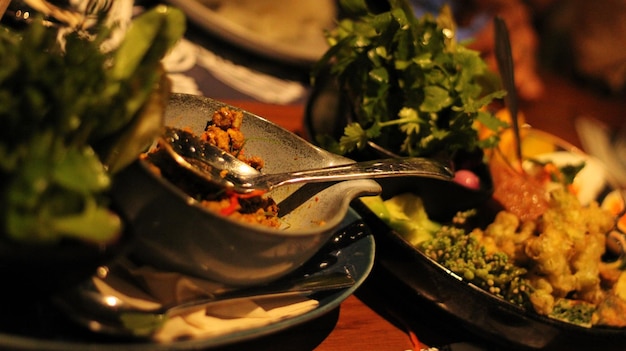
x=412, y=87
x=72, y=116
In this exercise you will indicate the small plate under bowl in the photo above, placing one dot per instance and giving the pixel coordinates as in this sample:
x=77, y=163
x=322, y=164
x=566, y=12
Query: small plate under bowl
x=40, y=326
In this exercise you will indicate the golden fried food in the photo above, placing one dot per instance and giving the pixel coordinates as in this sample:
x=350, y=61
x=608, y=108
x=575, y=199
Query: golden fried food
x=562, y=250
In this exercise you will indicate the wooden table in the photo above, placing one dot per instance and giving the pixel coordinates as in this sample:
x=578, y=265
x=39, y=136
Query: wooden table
x=380, y=315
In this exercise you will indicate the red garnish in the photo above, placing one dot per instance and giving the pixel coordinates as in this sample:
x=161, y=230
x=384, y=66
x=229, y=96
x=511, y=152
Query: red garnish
x=517, y=192
x=232, y=207
x=234, y=197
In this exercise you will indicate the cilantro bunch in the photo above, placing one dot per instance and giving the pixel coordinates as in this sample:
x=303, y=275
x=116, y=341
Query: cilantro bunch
x=73, y=115
x=412, y=87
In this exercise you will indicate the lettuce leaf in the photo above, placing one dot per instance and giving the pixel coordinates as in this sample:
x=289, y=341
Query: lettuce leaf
x=72, y=116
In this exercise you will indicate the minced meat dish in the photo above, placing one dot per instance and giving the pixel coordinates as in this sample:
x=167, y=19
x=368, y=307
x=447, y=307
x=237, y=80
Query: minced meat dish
x=223, y=131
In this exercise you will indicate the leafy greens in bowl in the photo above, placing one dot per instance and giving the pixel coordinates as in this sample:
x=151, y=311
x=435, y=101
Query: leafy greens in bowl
x=73, y=116
x=394, y=84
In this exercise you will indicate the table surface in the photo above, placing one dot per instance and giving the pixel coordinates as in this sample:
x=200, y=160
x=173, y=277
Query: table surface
x=376, y=318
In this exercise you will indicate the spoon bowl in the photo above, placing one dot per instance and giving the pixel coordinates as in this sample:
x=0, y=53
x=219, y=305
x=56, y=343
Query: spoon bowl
x=205, y=160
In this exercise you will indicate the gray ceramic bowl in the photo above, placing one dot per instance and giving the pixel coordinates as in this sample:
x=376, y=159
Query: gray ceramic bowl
x=175, y=233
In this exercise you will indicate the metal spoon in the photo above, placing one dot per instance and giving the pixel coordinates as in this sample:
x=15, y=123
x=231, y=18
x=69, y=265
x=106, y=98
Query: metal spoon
x=108, y=314
x=221, y=168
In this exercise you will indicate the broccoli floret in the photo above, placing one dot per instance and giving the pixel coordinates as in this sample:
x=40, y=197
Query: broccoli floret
x=453, y=247
x=573, y=311
x=464, y=255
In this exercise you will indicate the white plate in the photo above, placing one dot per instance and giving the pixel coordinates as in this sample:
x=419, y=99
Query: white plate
x=285, y=31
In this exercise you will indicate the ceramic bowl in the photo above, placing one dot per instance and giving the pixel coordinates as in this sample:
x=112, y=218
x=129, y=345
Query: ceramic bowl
x=174, y=232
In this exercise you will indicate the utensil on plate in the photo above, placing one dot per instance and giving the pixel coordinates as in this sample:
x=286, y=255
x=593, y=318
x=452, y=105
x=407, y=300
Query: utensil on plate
x=112, y=315
x=225, y=170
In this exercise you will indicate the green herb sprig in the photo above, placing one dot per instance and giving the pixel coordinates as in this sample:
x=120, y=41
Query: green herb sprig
x=413, y=88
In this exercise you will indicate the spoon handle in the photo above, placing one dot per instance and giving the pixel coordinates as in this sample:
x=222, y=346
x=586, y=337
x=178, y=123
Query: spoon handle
x=298, y=287
x=392, y=167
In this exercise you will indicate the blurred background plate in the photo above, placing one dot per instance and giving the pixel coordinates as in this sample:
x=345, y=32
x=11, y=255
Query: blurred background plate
x=291, y=32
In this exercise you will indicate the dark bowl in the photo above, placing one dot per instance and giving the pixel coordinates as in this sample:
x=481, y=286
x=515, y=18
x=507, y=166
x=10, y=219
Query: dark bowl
x=505, y=324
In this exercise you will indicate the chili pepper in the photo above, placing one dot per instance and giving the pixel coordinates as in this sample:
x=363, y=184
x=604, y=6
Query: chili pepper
x=234, y=200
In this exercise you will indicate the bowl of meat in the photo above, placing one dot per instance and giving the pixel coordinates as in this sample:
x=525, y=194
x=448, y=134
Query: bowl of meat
x=229, y=238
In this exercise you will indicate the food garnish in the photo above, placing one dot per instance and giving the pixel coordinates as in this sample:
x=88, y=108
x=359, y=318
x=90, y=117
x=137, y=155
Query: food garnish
x=413, y=88
x=73, y=115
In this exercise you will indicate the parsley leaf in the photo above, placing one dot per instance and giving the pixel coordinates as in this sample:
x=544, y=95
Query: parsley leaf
x=414, y=89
